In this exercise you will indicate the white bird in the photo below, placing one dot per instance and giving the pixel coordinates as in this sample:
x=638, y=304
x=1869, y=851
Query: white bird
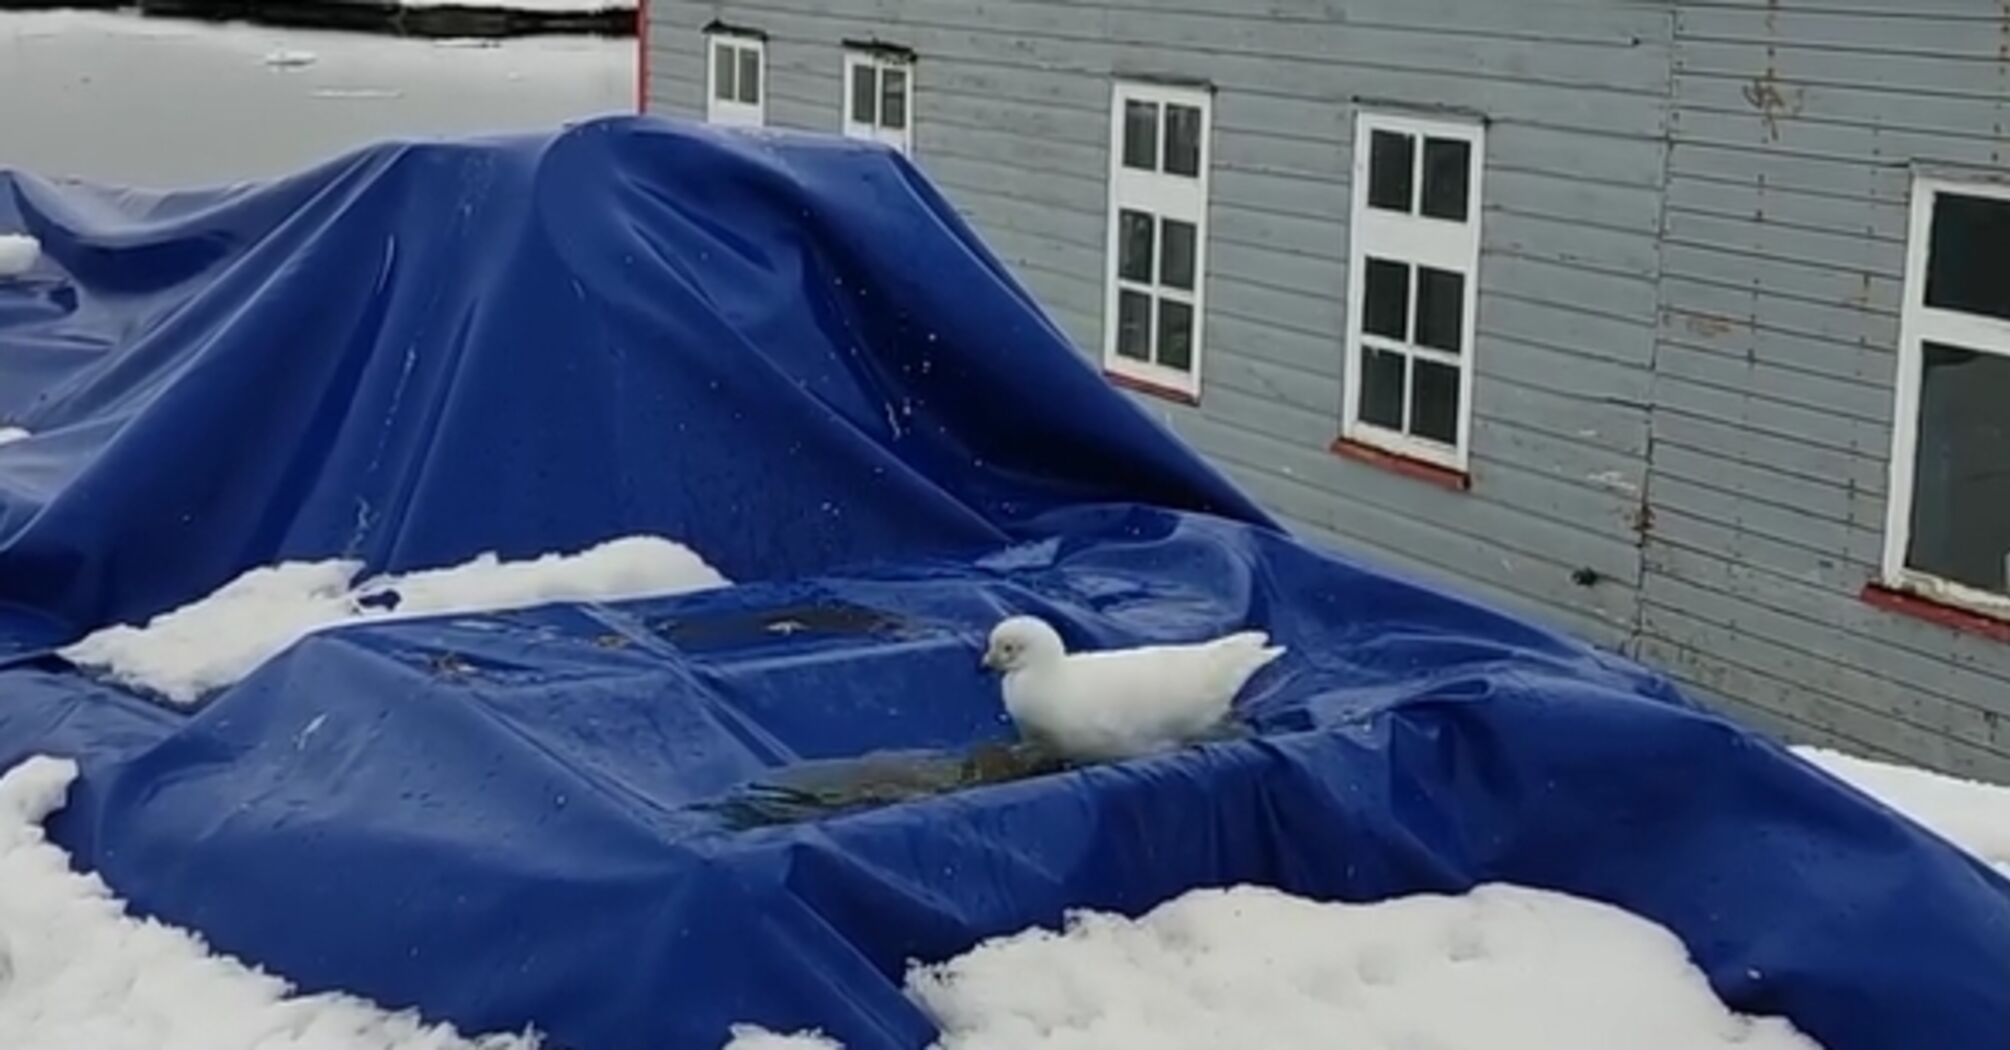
x=18, y=253
x=1121, y=703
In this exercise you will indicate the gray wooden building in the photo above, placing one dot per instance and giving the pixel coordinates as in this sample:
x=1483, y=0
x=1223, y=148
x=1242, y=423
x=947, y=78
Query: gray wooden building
x=1681, y=325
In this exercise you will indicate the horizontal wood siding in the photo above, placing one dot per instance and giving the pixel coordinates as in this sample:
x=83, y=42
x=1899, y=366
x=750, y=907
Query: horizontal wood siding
x=1690, y=279
x=1794, y=129
x=1012, y=120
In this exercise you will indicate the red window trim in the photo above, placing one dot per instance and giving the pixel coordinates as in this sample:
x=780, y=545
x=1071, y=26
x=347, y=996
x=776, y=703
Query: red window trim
x=1151, y=389
x=1407, y=466
x=1906, y=603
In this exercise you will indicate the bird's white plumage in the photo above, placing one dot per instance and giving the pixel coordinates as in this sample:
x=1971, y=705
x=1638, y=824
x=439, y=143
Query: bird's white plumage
x=1120, y=703
x=18, y=253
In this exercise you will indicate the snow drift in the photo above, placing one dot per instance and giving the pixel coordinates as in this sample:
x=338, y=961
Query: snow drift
x=219, y=639
x=1971, y=815
x=1499, y=968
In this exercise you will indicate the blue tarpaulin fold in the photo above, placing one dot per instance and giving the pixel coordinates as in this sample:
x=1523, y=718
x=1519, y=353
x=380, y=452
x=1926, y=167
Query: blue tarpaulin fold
x=789, y=353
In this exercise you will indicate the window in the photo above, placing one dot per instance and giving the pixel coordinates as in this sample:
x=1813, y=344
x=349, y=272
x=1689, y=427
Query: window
x=1157, y=236
x=1412, y=286
x=879, y=98
x=738, y=73
x=1948, y=530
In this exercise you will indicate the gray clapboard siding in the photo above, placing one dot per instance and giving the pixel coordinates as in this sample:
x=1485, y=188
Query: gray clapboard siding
x=1793, y=130
x=1807, y=714
x=1737, y=333
x=1854, y=214
x=1692, y=264
x=1801, y=650
x=1785, y=384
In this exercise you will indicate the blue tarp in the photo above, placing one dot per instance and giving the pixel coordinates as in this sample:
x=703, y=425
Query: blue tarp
x=791, y=354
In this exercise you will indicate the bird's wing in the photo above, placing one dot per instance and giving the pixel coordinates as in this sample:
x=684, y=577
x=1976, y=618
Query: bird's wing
x=1156, y=690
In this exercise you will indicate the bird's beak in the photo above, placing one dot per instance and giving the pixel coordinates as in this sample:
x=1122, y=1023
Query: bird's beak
x=990, y=661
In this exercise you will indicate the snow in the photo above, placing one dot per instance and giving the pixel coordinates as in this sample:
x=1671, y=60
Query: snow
x=18, y=253
x=1971, y=815
x=168, y=100
x=76, y=971
x=9, y=435
x=753, y=1037
x=1500, y=968
x=290, y=58
x=218, y=640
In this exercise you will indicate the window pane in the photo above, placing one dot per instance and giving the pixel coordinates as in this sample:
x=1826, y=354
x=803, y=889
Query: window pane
x=1176, y=335
x=1386, y=300
x=750, y=76
x=1134, y=325
x=1441, y=308
x=1141, y=135
x=1134, y=246
x=1969, y=264
x=1447, y=169
x=1183, y=140
x=864, y=94
x=1382, y=387
x=1391, y=161
x=1176, y=259
x=1961, y=475
x=722, y=72
x=1434, y=401
x=893, y=112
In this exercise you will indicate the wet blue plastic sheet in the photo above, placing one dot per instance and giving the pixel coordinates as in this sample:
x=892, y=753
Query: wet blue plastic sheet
x=506, y=820
x=419, y=353
x=789, y=353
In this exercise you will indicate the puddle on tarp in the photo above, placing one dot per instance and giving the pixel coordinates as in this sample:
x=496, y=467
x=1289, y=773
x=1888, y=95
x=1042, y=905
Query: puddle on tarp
x=830, y=787
x=738, y=629
x=816, y=790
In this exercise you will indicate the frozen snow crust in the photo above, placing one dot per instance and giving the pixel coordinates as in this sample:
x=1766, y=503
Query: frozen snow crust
x=216, y=641
x=1971, y=815
x=1499, y=968
x=790, y=355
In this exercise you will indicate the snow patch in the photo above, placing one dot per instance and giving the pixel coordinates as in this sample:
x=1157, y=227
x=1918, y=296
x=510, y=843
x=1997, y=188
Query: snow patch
x=369, y=94
x=109, y=71
x=290, y=58
x=753, y=1037
x=1501, y=968
x=18, y=254
x=9, y=435
x=77, y=971
x=1971, y=815
x=218, y=640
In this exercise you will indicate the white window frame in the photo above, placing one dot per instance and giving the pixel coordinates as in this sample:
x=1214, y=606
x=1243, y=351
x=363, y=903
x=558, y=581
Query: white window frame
x=1921, y=324
x=1415, y=239
x=1164, y=196
x=880, y=62
x=732, y=112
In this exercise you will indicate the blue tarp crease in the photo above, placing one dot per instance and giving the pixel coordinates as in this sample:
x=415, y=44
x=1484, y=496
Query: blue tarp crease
x=791, y=354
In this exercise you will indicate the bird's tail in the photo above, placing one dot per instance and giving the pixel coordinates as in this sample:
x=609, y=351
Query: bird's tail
x=1258, y=645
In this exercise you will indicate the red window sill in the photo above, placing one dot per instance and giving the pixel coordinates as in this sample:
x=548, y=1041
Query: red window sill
x=1407, y=466
x=1905, y=603
x=1151, y=389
